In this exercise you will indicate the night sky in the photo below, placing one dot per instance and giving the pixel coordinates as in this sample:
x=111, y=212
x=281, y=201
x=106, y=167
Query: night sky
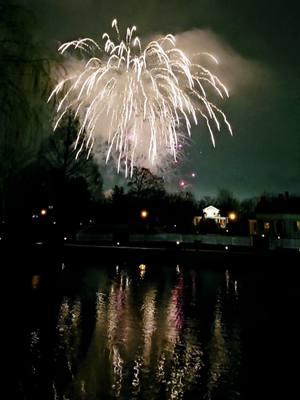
x=257, y=43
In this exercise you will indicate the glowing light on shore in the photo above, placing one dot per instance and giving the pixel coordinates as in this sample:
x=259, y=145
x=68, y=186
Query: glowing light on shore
x=144, y=214
x=138, y=101
x=232, y=216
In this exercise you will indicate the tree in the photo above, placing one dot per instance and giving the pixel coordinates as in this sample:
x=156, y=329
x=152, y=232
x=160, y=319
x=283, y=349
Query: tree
x=118, y=195
x=247, y=207
x=144, y=184
x=73, y=183
x=180, y=209
x=226, y=202
x=58, y=154
x=207, y=201
x=24, y=80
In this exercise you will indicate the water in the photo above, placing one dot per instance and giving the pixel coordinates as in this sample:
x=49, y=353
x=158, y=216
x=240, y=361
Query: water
x=87, y=329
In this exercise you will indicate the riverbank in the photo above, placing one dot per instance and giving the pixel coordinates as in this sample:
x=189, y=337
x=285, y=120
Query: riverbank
x=42, y=255
x=178, y=251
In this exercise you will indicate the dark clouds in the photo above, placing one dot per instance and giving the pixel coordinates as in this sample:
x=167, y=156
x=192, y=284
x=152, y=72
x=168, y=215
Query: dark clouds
x=257, y=41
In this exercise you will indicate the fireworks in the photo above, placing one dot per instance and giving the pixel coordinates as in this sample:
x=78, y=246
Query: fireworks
x=138, y=101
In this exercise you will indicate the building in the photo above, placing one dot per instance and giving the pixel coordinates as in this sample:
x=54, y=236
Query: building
x=284, y=225
x=211, y=213
x=278, y=220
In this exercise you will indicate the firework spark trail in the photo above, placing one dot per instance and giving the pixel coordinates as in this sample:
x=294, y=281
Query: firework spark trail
x=138, y=101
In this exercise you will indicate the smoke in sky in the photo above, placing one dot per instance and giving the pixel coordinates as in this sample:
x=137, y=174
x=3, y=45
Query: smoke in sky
x=235, y=71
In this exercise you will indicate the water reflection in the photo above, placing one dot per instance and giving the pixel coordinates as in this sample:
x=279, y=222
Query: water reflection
x=68, y=332
x=217, y=348
x=142, y=268
x=35, y=281
x=181, y=360
x=175, y=315
x=120, y=336
x=149, y=322
x=34, y=347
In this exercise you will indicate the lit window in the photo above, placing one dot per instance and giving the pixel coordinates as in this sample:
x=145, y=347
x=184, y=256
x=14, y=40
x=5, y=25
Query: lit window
x=266, y=226
x=298, y=225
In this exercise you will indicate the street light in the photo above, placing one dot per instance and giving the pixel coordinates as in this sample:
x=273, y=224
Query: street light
x=232, y=216
x=43, y=211
x=144, y=214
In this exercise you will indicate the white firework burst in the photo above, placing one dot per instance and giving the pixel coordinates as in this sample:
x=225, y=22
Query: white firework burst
x=139, y=100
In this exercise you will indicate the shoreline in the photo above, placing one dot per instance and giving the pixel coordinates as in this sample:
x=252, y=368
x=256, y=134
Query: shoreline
x=214, y=256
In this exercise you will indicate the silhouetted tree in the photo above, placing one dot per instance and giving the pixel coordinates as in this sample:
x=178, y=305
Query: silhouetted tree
x=144, y=184
x=59, y=154
x=118, y=195
x=226, y=201
x=179, y=211
x=73, y=183
x=24, y=80
x=247, y=207
x=207, y=201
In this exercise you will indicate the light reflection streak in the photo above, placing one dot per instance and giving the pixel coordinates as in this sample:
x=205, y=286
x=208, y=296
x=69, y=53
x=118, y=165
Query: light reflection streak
x=117, y=363
x=236, y=288
x=175, y=315
x=160, y=373
x=136, y=373
x=149, y=323
x=35, y=281
x=118, y=329
x=142, y=269
x=227, y=280
x=68, y=330
x=194, y=288
x=117, y=315
x=218, y=350
x=181, y=360
x=54, y=391
x=34, y=346
x=186, y=365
